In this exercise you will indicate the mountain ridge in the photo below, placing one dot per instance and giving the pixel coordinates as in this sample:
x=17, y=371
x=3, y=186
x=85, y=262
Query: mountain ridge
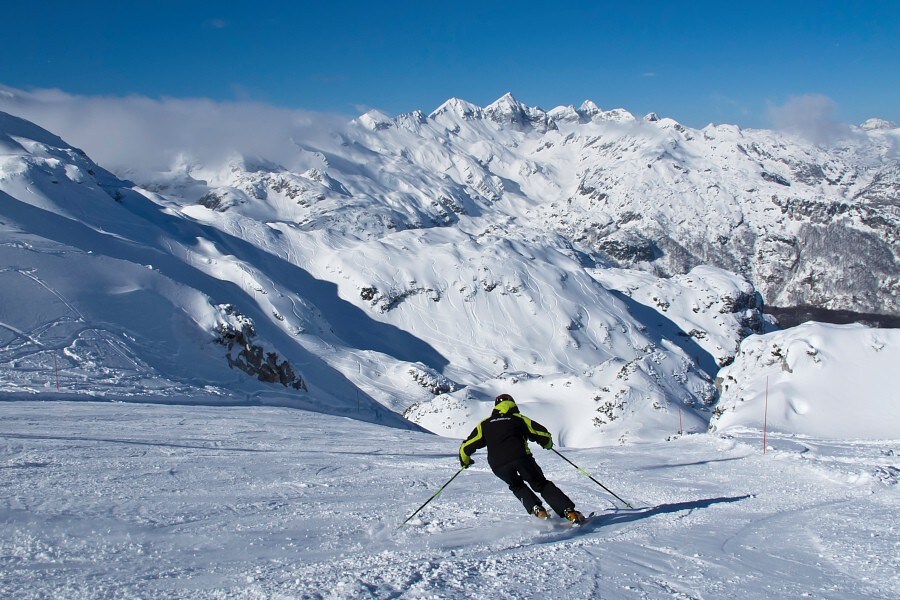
x=852, y=189
x=425, y=263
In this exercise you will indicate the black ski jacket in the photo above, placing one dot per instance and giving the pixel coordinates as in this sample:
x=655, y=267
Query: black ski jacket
x=505, y=434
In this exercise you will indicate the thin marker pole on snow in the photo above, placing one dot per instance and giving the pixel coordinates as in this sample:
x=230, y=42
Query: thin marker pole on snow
x=436, y=494
x=589, y=476
x=766, y=416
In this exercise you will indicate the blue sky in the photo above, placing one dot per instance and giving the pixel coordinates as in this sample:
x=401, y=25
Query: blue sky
x=696, y=62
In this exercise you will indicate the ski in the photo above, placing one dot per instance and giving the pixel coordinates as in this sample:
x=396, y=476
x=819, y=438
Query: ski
x=557, y=524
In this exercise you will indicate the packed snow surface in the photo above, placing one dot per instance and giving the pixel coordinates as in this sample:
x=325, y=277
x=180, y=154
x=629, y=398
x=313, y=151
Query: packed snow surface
x=110, y=500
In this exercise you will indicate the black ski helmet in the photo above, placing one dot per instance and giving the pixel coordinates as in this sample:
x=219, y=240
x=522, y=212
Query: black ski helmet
x=503, y=398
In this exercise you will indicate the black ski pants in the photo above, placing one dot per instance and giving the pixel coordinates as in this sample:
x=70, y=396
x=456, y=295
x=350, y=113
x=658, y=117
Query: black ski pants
x=522, y=472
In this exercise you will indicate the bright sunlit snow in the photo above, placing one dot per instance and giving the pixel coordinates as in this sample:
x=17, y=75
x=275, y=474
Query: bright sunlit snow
x=828, y=381
x=225, y=379
x=151, y=501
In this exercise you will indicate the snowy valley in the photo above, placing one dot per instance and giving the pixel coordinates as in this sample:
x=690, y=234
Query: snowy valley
x=266, y=350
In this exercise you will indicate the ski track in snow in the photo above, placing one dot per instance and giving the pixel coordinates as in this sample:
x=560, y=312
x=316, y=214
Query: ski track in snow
x=107, y=500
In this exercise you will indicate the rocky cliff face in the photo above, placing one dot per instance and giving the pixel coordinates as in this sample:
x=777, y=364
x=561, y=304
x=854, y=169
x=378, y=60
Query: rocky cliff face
x=237, y=334
x=807, y=225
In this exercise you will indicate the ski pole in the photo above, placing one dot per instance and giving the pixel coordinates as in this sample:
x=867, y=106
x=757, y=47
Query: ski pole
x=588, y=475
x=436, y=494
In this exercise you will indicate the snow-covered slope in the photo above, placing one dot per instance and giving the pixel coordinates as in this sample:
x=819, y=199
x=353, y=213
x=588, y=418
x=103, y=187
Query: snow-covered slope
x=418, y=263
x=710, y=305
x=108, y=294
x=806, y=224
x=247, y=503
x=827, y=381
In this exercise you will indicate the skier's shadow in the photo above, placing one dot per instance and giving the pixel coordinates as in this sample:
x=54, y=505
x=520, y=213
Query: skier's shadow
x=622, y=516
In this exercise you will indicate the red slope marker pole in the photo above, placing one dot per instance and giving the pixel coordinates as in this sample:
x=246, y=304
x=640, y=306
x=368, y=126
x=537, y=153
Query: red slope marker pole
x=766, y=416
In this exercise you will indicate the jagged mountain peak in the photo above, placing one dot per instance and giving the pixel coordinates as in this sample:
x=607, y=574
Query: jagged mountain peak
x=590, y=108
x=505, y=102
x=411, y=119
x=589, y=111
x=566, y=114
x=459, y=107
x=569, y=114
x=506, y=110
x=617, y=115
x=375, y=120
x=509, y=111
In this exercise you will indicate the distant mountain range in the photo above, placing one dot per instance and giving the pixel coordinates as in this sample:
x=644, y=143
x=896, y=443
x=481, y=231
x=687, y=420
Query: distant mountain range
x=596, y=263
x=808, y=225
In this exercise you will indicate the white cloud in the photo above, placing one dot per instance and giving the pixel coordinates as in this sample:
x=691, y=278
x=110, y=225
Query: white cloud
x=811, y=116
x=137, y=132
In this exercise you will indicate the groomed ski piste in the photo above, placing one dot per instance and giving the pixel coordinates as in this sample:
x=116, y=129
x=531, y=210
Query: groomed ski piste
x=116, y=500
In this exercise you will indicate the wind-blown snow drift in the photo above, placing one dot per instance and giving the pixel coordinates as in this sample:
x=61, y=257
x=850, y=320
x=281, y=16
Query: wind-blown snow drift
x=827, y=381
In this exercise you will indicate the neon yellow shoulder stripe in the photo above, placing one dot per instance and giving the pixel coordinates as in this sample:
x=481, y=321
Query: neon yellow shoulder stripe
x=474, y=440
x=531, y=428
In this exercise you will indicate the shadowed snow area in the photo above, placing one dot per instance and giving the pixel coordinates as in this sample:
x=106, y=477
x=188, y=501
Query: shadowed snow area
x=113, y=500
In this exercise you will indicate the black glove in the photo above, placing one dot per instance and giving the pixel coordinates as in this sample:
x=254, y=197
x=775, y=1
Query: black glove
x=466, y=462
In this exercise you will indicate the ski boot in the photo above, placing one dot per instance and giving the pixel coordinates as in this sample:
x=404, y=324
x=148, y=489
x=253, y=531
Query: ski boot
x=575, y=517
x=540, y=512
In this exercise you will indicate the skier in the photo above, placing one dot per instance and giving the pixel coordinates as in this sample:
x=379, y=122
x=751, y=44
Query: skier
x=506, y=433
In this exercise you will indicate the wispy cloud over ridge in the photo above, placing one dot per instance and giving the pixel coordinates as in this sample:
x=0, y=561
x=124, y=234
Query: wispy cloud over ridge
x=120, y=132
x=812, y=116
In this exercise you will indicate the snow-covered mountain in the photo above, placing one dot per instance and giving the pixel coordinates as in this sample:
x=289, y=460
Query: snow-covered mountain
x=107, y=294
x=807, y=224
x=424, y=263
x=418, y=266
